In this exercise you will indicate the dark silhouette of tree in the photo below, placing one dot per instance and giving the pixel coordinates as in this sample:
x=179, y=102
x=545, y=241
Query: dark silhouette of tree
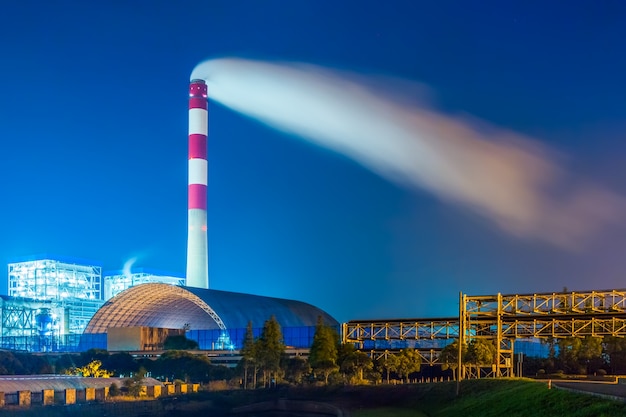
x=387, y=364
x=249, y=356
x=114, y=390
x=449, y=357
x=34, y=364
x=295, y=369
x=575, y=353
x=324, y=350
x=65, y=362
x=10, y=365
x=133, y=385
x=353, y=363
x=179, y=342
x=409, y=361
x=179, y=364
x=121, y=363
x=269, y=350
x=91, y=355
x=615, y=352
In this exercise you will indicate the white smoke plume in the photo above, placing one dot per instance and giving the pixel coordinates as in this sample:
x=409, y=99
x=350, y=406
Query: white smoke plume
x=126, y=271
x=512, y=180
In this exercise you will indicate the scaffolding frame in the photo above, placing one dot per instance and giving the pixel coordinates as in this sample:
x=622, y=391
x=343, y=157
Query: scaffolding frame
x=501, y=319
x=70, y=287
x=52, y=279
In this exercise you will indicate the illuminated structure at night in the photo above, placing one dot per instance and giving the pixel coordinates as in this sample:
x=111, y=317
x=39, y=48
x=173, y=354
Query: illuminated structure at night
x=116, y=282
x=50, y=297
x=215, y=319
x=197, y=245
x=503, y=319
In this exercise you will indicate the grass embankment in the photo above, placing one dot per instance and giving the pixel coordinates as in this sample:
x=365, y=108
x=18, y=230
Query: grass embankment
x=492, y=397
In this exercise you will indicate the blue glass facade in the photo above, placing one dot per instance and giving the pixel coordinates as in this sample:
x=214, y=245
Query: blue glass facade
x=66, y=343
x=215, y=339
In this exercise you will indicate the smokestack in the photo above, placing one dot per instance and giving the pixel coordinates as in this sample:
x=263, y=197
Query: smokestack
x=197, y=247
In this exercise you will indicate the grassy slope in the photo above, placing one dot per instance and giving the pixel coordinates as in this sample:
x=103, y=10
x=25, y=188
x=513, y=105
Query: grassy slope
x=491, y=397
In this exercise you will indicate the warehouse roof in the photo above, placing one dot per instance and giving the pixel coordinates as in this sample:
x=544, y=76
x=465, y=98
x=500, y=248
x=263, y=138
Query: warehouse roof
x=15, y=383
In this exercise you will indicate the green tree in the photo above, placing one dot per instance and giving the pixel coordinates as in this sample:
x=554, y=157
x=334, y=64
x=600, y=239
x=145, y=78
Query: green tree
x=249, y=356
x=449, y=357
x=409, y=361
x=114, y=390
x=10, y=364
x=179, y=364
x=121, y=363
x=353, y=363
x=481, y=352
x=388, y=364
x=63, y=363
x=615, y=352
x=92, y=370
x=34, y=364
x=296, y=368
x=575, y=354
x=324, y=354
x=270, y=348
x=133, y=384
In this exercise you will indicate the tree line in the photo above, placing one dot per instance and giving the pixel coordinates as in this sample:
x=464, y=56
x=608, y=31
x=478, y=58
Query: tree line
x=570, y=355
x=581, y=355
x=264, y=362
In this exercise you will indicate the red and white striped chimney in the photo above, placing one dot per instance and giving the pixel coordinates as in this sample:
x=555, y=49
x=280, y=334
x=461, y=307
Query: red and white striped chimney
x=197, y=246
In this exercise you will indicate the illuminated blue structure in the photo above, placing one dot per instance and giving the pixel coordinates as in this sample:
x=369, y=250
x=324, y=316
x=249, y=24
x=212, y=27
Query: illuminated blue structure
x=215, y=319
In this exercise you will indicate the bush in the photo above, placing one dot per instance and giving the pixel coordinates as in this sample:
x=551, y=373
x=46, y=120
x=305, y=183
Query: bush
x=114, y=390
x=601, y=372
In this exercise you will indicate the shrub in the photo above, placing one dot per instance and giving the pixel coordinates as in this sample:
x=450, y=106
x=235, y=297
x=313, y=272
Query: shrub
x=114, y=390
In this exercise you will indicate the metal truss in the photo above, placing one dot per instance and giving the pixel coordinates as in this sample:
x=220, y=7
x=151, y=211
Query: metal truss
x=18, y=320
x=502, y=319
x=429, y=356
x=357, y=331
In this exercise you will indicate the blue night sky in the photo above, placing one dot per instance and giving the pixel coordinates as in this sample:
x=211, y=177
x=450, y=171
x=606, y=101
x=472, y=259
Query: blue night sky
x=93, y=145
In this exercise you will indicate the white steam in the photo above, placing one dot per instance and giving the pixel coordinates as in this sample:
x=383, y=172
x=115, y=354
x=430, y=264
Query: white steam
x=507, y=178
x=126, y=271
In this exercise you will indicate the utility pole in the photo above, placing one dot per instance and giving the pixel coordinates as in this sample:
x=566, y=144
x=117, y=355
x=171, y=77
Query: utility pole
x=460, y=342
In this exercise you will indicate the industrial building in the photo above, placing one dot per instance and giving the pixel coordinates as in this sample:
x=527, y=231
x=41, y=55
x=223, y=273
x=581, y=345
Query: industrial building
x=51, y=300
x=117, y=281
x=63, y=304
x=215, y=319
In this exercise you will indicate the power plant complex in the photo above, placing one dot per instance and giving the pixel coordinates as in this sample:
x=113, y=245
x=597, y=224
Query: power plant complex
x=57, y=304
x=63, y=304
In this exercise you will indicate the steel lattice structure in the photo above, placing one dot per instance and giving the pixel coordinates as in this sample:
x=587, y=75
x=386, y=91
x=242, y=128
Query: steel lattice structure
x=502, y=319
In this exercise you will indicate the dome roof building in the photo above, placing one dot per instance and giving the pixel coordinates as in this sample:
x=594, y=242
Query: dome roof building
x=207, y=315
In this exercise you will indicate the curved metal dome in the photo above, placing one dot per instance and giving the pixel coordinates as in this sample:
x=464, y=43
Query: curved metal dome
x=175, y=307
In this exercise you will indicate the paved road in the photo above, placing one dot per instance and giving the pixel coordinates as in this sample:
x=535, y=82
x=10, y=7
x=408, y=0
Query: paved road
x=612, y=389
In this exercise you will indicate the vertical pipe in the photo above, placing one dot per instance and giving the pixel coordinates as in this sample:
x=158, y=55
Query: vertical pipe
x=197, y=245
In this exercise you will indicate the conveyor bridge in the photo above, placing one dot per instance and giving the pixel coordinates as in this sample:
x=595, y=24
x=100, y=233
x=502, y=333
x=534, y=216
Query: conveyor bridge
x=501, y=318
